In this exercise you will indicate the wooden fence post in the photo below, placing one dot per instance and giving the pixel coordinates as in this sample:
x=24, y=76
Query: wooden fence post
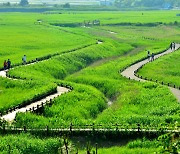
x=70, y=128
x=138, y=127
x=93, y=127
x=24, y=127
x=96, y=148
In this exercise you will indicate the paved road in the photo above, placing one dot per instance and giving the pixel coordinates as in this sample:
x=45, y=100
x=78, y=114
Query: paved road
x=130, y=71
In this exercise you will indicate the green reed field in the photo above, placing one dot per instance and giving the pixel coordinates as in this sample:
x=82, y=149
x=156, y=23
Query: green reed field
x=31, y=144
x=165, y=69
x=93, y=70
x=20, y=34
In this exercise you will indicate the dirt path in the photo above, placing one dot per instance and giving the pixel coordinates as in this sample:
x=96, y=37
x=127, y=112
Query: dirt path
x=130, y=71
x=11, y=116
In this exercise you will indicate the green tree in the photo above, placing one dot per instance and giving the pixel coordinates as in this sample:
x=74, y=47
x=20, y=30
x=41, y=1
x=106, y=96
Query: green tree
x=67, y=5
x=146, y=3
x=7, y=4
x=24, y=2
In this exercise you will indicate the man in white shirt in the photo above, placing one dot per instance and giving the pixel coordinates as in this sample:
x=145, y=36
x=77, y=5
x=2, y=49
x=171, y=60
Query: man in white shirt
x=24, y=59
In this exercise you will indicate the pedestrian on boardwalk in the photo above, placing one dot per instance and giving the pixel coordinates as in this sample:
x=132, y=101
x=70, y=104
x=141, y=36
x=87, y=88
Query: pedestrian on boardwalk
x=152, y=57
x=8, y=64
x=171, y=46
x=24, y=59
x=5, y=64
x=149, y=55
x=174, y=46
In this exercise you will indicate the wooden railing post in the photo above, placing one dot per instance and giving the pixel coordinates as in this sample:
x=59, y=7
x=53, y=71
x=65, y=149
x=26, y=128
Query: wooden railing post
x=138, y=127
x=70, y=128
x=96, y=148
x=93, y=127
x=24, y=128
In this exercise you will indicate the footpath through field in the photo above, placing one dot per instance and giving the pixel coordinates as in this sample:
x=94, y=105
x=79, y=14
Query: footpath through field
x=35, y=105
x=131, y=71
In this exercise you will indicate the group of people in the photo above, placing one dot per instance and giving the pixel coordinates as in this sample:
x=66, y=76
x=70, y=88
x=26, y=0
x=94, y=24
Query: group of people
x=7, y=63
x=150, y=56
x=173, y=46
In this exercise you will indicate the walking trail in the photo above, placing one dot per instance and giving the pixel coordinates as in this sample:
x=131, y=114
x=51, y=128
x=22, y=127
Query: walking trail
x=11, y=116
x=60, y=90
x=130, y=71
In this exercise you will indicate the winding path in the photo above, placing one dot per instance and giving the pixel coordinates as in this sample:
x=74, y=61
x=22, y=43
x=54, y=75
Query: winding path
x=130, y=71
x=11, y=116
x=60, y=90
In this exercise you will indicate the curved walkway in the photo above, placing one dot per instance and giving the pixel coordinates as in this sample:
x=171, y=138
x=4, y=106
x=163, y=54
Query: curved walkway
x=130, y=71
x=34, y=105
x=60, y=90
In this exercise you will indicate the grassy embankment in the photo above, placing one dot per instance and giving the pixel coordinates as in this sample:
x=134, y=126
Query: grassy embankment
x=134, y=102
x=165, y=69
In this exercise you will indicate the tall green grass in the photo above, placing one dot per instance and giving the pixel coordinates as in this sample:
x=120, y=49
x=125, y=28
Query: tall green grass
x=14, y=93
x=21, y=36
x=165, y=69
x=26, y=144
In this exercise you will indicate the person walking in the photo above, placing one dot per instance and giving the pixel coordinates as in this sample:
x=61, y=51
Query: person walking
x=5, y=65
x=152, y=57
x=24, y=59
x=174, y=46
x=8, y=64
x=171, y=46
x=148, y=55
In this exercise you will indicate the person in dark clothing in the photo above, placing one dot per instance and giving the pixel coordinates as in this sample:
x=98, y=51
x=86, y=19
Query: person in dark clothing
x=5, y=64
x=174, y=46
x=171, y=46
x=149, y=55
x=152, y=57
x=8, y=64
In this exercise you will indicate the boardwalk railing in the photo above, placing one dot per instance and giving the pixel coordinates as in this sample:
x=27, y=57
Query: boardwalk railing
x=155, y=80
x=96, y=128
x=36, y=98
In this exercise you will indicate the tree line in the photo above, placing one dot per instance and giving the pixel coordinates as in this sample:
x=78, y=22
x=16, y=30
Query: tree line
x=147, y=3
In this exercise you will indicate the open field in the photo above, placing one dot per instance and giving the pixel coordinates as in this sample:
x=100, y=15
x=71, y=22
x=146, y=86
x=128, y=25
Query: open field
x=69, y=54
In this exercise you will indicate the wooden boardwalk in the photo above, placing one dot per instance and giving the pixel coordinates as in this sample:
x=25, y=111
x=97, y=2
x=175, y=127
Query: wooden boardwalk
x=73, y=128
x=131, y=71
